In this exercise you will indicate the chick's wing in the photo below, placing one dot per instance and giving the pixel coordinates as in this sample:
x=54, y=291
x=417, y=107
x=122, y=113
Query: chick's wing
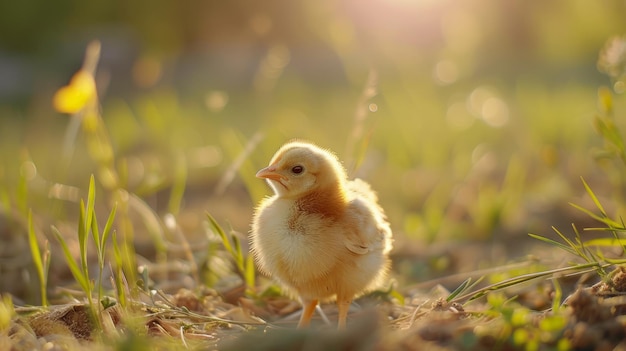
x=367, y=227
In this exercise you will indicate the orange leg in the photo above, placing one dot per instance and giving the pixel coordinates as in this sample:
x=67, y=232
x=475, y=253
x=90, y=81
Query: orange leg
x=307, y=313
x=343, y=306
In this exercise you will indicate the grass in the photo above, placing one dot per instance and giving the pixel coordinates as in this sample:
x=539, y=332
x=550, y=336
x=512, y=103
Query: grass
x=452, y=178
x=41, y=262
x=244, y=263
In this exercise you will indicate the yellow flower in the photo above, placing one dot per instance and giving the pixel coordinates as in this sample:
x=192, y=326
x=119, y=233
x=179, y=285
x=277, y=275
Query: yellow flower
x=74, y=96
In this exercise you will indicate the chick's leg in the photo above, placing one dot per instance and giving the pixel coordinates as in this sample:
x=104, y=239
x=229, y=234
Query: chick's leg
x=307, y=313
x=343, y=305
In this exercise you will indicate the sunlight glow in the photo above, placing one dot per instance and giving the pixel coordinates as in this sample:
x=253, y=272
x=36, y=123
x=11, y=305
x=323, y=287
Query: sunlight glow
x=446, y=72
x=420, y=3
x=462, y=31
x=484, y=104
x=272, y=67
x=64, y=192
x=495, y=112
x=216, y=100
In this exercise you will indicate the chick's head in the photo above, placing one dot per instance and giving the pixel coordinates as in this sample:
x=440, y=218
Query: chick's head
x=298, y=169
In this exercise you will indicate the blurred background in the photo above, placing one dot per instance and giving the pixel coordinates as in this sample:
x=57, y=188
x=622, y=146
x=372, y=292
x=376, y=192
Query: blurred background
x=472, y=119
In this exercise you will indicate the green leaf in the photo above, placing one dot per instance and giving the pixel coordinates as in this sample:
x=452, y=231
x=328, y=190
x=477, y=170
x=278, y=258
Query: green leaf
x=567, y=241
x=250, y=273
x=470, y=296
x=95, y=233
x=606, y=242
x=42, y=269
x=593, y=197
x=609, y=222
x=216, y=228
x=91, y=199
x=238, y=254
x=119, y=275
x=558, y=295
x=76, y=271
x=398, y=296
x=553, y=242
x=46, y=264
x=82, y=242
x=615, y=261
x=107, y=227
x=34, y=245
x=461, y=288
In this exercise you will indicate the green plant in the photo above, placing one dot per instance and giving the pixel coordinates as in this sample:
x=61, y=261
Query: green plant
x=612, y=61
x=121, y=285
x=582, y=248
x=521, y=327
x=7, y=312
x=42, y=262
x=466, y=293
x=244, y=264
x=88, y=223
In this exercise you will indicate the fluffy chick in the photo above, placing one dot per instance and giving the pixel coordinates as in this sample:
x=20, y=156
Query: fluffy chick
x=322, y=236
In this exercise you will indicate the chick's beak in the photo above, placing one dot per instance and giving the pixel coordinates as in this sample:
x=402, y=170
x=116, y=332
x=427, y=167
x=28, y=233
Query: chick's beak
x=269, y=172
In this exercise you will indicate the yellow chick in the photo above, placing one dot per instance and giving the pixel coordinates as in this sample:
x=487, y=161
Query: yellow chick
x=322, y=236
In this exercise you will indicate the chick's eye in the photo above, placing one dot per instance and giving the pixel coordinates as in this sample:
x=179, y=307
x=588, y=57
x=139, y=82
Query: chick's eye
x=297, y=169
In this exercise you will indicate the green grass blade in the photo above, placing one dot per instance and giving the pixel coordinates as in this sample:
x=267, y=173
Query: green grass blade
x=46, y=264
x=91, y=200
x=37, y=260
x=558, y=296
x=616, y=261
x=238, y=254
x=615, y=231
x=250, y=273
x=586, y=252
x=617, y=237
x=100, y=254
x=553, y=242
x=72, y=265
x=107, y=226
x=119, y=272
x=467, y=285
x=606, y=242
x=470, y=296
x=216, y=228
x=95, y=233
x=607, y=221
x=5, y=200
x=7, y=318
x=82, y=244
x=567, y=240
x=460, y=289
x=593, y=197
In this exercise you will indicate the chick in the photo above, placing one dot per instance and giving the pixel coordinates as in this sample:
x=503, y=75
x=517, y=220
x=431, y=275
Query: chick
x=322, y=236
